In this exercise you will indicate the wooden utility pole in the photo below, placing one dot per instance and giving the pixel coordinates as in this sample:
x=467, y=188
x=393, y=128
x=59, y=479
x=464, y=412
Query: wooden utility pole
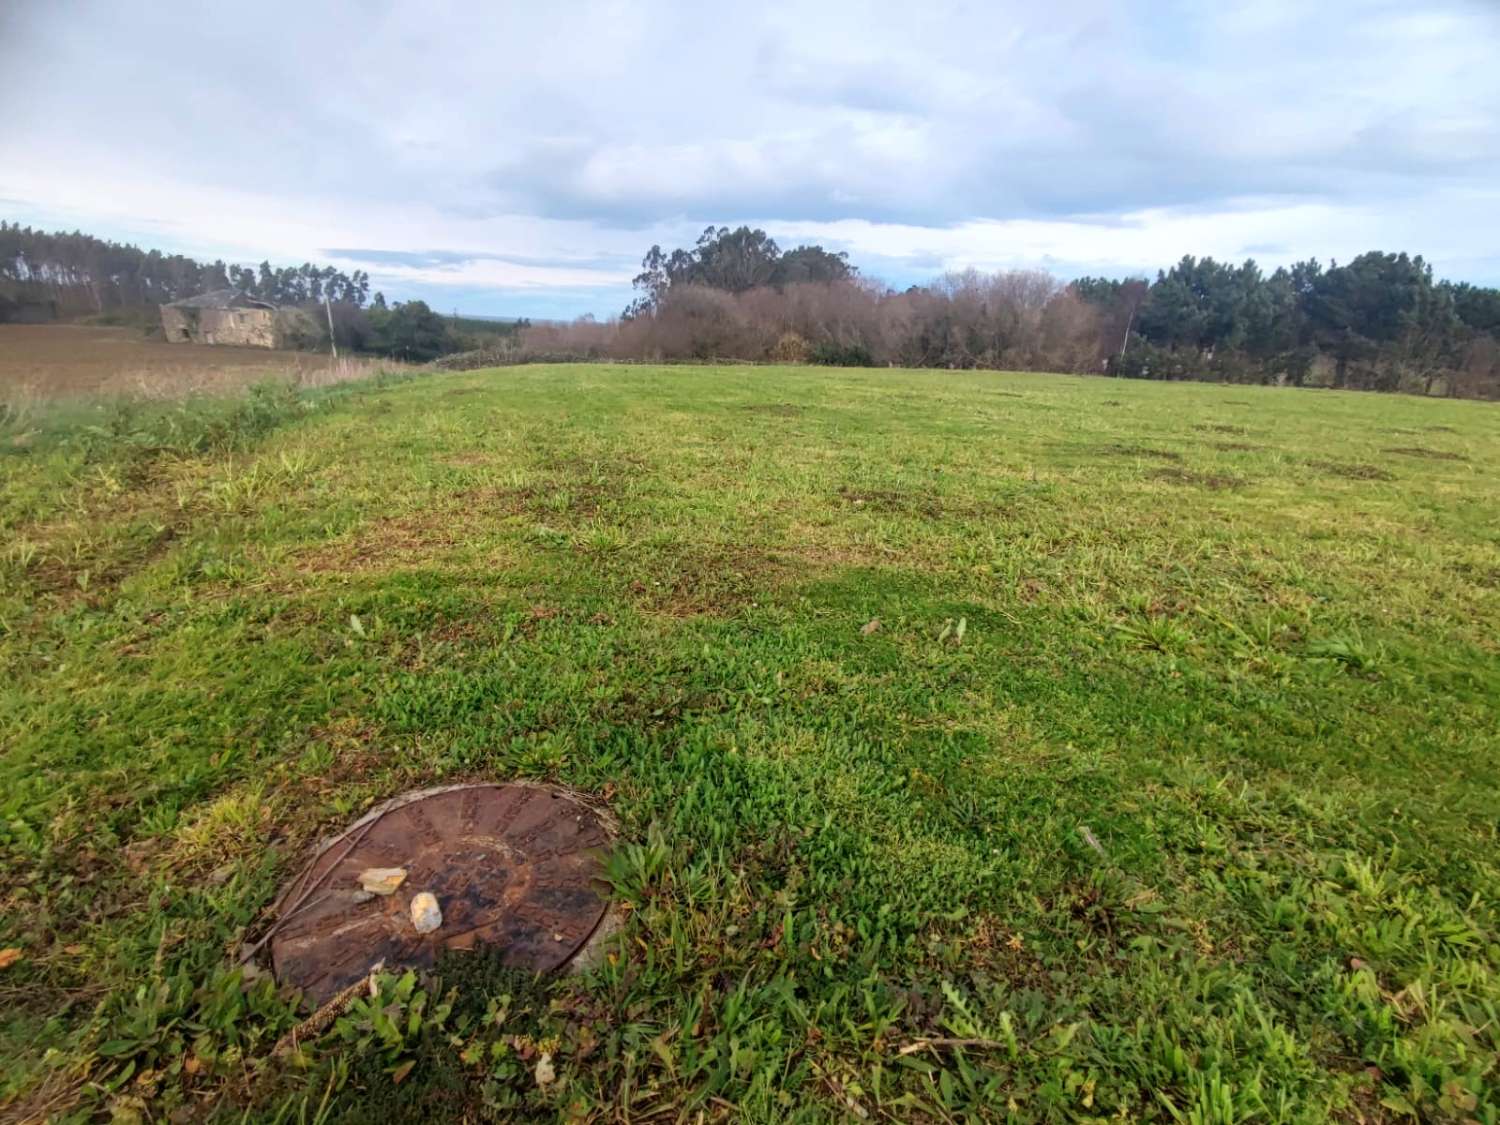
x=332, y=343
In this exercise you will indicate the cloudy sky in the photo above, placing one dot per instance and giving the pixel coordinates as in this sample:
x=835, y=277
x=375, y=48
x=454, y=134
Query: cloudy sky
x=510, y=158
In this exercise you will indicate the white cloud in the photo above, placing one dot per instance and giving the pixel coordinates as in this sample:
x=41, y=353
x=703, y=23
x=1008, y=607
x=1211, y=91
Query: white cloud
x=555, y=143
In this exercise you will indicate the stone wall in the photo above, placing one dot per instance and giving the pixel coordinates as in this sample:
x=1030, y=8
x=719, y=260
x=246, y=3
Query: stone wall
x=246, y=328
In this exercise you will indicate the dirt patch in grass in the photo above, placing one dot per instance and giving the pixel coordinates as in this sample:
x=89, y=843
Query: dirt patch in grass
x=903, y=501
x=720, y=581
x=709, y=581
x=816, y=557
x=593, y=466
x=1235, y=446
x=1195, y=479
x=544, y=502
x=1441, y=430
x=914, y=502
x=1220, y=428
x=1118, y=449
x=583, y=481
x=1487, y=577
x=1352, y=470
x=112, y=563
x=1424, y=452
x=384, y=543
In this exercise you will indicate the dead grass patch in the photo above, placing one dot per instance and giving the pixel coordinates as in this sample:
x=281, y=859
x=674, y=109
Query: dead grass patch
x=925, y=505
x=352, y=742
x=110, y=565
x=1352, y=470
x=1118, y=449
x=1424, y=452
x=1220, y=428
x=903, y=501
x=385, y=543
x=709, y=581
x=1195, y=479
x=816, y=557
x=1476, y=574
x=719, y=581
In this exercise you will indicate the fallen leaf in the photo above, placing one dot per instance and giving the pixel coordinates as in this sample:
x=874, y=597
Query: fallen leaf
x=872, y=626
x=9, y=957
x=403, y=1070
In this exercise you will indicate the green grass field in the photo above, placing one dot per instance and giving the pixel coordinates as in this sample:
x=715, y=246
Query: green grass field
x=1167, y=787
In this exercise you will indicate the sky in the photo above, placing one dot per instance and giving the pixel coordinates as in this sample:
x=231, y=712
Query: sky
x=519, y=159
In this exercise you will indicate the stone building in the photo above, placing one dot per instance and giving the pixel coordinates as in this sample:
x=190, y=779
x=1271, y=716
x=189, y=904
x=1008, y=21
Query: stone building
x=224, y=316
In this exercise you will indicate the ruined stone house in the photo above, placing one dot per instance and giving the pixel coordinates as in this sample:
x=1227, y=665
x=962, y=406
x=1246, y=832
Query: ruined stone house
x=224, y=316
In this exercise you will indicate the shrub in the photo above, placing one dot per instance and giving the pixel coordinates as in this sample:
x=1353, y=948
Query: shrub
x=831, y=354
x=790, y=348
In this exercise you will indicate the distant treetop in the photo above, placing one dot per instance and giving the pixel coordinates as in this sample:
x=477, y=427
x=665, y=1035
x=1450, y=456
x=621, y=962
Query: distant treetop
x=733, y=261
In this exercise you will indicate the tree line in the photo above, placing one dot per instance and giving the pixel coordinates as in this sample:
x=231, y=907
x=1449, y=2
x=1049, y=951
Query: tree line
x=1378, y=322
x=72, y=274
x=83, y=274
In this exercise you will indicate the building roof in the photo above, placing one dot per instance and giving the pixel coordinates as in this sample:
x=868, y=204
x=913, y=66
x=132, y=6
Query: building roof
x=222, y=299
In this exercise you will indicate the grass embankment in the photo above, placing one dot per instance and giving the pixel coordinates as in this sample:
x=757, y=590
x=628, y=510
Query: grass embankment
x=1165, y=787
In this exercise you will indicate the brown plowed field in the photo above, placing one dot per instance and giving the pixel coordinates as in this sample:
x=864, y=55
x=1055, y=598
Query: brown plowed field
x=49, y=361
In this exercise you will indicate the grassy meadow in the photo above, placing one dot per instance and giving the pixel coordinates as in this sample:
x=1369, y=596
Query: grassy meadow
x=987, y=746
